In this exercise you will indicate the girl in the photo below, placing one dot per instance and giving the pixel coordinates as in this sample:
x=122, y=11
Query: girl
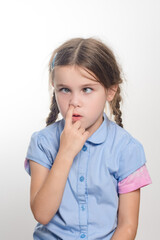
x=86, y=170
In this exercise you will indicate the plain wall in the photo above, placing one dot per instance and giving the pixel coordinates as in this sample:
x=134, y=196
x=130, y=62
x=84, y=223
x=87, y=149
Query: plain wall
x=30, y=30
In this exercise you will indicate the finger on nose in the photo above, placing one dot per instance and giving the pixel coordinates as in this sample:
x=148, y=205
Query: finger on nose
x=69, y=114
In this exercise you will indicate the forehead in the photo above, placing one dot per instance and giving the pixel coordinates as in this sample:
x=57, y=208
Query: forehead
x=68, y=73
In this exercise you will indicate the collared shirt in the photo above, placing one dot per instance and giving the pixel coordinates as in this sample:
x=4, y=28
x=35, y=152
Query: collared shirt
x=88, y=209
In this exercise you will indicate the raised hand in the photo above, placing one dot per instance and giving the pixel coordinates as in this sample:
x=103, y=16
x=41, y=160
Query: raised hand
x=73, y=136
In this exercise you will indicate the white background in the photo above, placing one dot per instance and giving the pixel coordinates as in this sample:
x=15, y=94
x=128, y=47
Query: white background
x=30, y=30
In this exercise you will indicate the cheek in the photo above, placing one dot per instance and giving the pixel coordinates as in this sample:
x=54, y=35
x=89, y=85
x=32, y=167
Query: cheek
x=62, y=104
x=97, y=100
x=97, y=104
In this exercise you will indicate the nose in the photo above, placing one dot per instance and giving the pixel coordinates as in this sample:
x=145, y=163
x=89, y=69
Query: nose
x=75, y=100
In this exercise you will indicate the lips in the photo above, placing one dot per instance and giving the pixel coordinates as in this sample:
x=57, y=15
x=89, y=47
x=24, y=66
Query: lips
x=76, y=117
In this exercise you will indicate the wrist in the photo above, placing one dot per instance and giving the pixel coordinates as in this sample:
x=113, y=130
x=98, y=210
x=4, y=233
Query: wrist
x=65, y=156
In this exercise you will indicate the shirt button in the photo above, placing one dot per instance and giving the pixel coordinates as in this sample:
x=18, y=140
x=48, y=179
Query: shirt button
x=83, y=235
x=84, y=148
x=81, y=178
x=83, y=208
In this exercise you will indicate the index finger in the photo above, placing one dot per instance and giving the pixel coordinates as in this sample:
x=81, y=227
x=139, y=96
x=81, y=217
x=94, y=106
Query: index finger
x=69, y=115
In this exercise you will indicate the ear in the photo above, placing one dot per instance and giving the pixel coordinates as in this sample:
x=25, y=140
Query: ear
x=111, y=92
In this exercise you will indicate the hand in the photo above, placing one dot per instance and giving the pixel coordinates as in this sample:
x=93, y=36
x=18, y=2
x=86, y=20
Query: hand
x=73, y=136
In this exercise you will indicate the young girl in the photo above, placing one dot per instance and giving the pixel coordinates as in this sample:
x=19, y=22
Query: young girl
x=86, y=170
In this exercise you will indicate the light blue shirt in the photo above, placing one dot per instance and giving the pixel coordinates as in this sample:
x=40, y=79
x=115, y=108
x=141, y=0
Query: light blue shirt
x=88, y=209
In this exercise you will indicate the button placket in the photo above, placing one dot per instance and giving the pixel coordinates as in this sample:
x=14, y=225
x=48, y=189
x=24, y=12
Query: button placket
x=83, y=207
x=82, y=198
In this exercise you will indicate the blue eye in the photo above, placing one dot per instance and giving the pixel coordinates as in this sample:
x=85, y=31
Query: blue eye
x=87, y=90
x=65, y=90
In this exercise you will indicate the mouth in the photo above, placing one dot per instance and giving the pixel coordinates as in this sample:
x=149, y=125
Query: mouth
x=76, y=117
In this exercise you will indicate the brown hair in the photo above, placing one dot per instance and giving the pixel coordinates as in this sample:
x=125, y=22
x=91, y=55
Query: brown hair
x=95, y=56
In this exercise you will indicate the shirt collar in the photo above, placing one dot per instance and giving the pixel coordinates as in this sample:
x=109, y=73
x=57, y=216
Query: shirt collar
x=100, y=134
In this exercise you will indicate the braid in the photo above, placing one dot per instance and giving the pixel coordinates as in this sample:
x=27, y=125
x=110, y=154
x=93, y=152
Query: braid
x=115, y=106
x=53, y=111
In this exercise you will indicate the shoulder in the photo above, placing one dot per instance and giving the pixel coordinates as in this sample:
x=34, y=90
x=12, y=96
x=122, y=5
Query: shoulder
x=50, y=133
x=121, y=138
x=56, y=127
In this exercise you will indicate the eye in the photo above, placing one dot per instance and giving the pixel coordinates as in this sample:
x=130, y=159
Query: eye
x=87, y=90
x=64, y=90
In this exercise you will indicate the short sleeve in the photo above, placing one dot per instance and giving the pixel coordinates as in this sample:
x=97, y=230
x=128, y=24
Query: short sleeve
x=38, y=152
x=132, y=157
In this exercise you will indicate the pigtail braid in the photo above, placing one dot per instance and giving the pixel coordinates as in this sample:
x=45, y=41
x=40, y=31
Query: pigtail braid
x=53, y=111
x=115, y=107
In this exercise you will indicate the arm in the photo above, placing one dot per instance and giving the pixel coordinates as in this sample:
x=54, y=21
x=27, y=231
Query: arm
x=47, y=187
x=128, y=214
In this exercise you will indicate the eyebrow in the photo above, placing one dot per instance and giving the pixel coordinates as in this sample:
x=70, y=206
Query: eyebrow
x=84, y=85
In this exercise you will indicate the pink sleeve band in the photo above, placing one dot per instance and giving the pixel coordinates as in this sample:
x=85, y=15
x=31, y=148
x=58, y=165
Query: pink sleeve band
x=134, y=181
